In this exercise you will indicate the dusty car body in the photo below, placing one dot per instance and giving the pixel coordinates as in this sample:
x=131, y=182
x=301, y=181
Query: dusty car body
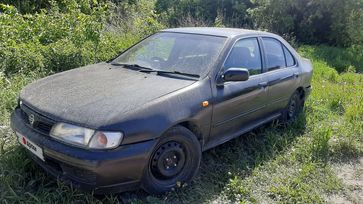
x=159, y=122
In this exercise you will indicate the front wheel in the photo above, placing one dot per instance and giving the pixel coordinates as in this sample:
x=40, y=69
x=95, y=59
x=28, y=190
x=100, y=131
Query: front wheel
x=174, y=161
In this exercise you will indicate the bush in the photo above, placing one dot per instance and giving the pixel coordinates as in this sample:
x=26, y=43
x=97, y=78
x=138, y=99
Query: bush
x=70, y=34
x=330, y=22
x=49, y=40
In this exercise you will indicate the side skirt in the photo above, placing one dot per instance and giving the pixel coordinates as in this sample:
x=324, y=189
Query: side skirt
x=242, y=131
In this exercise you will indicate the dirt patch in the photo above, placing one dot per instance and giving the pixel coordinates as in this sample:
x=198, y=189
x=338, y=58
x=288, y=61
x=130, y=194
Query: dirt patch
x=351, y=174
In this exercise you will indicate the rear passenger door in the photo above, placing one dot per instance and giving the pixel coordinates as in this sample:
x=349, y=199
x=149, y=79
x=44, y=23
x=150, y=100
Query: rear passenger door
x=281, y=72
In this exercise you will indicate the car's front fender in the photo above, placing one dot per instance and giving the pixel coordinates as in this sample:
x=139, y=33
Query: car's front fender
x=154, y=118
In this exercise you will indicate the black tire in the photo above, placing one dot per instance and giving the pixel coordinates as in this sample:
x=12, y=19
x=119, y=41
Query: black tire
x=294, y=107
x=174, y=161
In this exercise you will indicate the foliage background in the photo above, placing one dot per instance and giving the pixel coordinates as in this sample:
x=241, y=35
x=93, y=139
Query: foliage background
x=308, y=21
x=55, y=35
x=271, y=164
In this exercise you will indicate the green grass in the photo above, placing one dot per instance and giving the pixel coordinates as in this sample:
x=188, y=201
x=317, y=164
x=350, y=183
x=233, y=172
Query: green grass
x=274, y=163
x=342, y=60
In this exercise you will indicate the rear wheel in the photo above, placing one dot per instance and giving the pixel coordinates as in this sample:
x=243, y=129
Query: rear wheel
x=174, y=161
x=294, y=108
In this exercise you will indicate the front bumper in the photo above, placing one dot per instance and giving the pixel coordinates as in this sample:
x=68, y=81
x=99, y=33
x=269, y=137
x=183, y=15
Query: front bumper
x=107, y=171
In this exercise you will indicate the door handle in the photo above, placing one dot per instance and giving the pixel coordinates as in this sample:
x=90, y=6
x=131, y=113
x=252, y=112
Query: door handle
x=263, y=84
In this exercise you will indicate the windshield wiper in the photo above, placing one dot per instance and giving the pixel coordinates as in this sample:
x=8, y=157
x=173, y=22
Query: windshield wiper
x=140, y=68
x=132, y=66
x=158, y=71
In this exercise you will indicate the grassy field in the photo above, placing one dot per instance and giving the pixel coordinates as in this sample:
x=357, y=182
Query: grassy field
x=317, y=159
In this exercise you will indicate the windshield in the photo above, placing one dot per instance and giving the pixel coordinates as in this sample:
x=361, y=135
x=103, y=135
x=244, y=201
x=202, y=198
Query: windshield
x=186, y=53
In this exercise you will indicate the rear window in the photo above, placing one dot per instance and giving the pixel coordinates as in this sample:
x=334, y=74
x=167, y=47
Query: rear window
x=290, y=61
x=275, y=57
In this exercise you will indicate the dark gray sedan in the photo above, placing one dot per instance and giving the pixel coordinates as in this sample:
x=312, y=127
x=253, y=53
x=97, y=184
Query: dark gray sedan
x=144, y=118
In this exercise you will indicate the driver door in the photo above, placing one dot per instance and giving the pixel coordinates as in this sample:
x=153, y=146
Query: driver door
x=238, y=104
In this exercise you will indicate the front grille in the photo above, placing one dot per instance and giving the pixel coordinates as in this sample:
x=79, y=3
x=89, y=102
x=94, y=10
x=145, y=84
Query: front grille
x=44, y=127
x=36, y=121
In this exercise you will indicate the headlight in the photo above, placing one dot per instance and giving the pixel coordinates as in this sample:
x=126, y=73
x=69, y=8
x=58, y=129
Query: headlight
x=85, y=137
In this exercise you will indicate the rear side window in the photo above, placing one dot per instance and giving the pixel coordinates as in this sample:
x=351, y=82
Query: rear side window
x=290, y=61
x=245, y=54
x=275, y=57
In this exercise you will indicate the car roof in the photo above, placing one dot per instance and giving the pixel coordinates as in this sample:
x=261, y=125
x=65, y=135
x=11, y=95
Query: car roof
x=216, y=31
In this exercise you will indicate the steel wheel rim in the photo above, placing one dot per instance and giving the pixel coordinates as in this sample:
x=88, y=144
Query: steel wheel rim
x=168, y=161
x=292, y=108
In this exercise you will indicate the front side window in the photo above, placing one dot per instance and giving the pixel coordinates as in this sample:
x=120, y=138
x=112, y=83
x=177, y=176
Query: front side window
x=245, y=54
x=275, y=57
x=181, y=52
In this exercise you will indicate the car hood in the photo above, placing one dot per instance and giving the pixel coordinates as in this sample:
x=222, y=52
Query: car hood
x=90, y=95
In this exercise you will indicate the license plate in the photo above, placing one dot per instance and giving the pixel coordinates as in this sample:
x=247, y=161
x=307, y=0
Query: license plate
x=31, y=146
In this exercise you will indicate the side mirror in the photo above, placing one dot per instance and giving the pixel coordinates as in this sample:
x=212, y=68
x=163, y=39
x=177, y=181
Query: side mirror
x=236, y=74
